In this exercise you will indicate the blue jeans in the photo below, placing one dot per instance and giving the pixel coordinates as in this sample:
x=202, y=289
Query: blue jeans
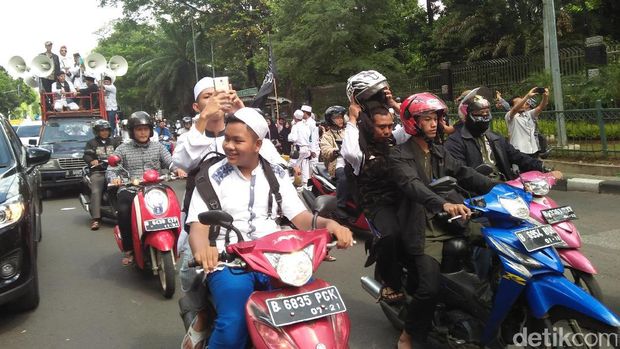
x=231, y=289
x=112, y=120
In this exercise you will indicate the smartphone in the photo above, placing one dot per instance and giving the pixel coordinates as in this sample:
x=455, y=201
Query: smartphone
x=221, y=83
x=540, y=90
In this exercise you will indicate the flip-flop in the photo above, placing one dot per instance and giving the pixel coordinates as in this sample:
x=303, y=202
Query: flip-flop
x=194, y=337
x=128, y=259
x=329, y=258
x=390, y=296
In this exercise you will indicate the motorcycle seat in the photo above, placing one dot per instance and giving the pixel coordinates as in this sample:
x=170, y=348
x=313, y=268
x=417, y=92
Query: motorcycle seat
x=322, y=171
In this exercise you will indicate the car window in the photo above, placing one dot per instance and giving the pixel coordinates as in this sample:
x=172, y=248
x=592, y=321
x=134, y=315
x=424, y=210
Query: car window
x=72, y=130
x=17, y=145
x=28, y=131
x=6, y=153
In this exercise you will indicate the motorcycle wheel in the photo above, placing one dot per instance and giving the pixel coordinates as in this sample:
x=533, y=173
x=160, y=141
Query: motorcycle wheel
x=575, y=329
x=166, y=272
x=587, y=282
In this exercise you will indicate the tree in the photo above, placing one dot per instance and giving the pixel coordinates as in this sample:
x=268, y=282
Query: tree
x=14, y=93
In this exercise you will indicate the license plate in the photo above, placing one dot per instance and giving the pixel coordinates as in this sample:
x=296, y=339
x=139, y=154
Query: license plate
x=161, y=223
x=305, y=306
x=539, y=237
x=73, y=173
x=559, y=214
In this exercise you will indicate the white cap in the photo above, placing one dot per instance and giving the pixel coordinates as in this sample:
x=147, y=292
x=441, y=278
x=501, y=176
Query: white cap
x=254, y=121
x=202, y=85
x=306, y=108
x=298, y=114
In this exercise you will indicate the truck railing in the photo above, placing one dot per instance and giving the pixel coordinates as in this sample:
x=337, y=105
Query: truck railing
x=95, y=101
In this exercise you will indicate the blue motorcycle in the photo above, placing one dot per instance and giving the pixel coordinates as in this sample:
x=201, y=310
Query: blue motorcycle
x=525, y=299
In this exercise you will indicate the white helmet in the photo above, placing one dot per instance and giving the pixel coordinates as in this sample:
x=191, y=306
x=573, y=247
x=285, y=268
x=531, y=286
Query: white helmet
x=365, y=84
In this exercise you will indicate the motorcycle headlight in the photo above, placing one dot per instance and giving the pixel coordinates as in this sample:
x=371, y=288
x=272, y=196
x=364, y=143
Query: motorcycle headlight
x=293, y=268
x=517, y=207
x=538, y=188
x=514, y=254
x=11, y=211
x=156, y=201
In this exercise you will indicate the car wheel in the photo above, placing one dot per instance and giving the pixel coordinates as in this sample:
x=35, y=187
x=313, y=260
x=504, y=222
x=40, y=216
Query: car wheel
x=30, y=300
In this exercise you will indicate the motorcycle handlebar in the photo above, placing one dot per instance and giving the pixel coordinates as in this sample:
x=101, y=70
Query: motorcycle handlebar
x=167, y=178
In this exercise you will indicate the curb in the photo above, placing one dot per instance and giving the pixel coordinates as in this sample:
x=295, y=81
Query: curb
x=588, y=185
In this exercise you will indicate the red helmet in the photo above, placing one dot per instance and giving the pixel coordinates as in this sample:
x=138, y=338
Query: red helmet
x=420, y=104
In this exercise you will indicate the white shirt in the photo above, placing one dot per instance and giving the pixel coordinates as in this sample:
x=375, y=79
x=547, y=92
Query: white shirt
x=351, y=151
x=246, y=200
x=58, y=89
x=522, y=131
x=110, y=97
x=305, y=134
x=66, y=63
x=192, y=146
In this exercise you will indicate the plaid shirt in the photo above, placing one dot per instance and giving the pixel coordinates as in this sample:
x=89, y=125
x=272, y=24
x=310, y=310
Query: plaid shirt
x=137, y=157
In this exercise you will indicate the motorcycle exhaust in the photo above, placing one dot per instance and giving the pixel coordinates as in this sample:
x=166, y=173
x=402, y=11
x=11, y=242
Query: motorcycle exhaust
x=372, y=286
x=84, y=202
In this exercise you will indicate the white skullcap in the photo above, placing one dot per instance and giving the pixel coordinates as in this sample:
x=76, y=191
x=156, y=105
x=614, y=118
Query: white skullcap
x=298, y=114
x=202, y=85
x=254, y=121
x=306, y=108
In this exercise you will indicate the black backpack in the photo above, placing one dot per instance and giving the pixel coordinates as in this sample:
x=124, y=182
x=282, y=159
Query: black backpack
x=199, y=179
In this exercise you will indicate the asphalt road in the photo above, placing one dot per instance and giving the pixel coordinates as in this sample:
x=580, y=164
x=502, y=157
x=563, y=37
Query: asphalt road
x=88, y=300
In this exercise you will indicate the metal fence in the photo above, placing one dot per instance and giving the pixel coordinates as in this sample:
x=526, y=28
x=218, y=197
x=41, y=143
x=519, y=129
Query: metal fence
x=591, y=133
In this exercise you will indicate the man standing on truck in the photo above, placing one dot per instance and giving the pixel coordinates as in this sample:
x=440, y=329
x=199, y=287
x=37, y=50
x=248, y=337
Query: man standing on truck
x=90, y=92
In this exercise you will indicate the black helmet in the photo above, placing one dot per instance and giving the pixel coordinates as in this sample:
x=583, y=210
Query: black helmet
x=139, y=118
x=187, y=120
x=332, y=111
x=100, y=125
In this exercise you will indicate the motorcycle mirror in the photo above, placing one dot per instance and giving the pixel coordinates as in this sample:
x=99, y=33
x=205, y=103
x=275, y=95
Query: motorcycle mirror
x=324, y=204
x=443, y=184
x=216, y=217
x=484, y=169
x=114, y=160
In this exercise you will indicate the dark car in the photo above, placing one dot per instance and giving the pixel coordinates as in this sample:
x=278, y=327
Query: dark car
x=20, y=219
x=66, y=138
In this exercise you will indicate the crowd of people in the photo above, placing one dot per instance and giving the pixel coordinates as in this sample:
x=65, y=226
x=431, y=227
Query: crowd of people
x=381, y=152
x=70, y=86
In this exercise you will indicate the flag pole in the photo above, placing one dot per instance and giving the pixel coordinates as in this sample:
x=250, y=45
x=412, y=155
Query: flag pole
x=275, y=85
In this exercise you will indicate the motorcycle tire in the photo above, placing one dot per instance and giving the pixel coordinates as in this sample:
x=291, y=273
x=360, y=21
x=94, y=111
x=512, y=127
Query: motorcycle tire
x=575, y=323
x=588, y=283
x=166, y=272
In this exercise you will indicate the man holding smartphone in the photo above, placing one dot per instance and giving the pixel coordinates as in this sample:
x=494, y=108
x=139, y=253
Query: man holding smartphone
x=522, y=122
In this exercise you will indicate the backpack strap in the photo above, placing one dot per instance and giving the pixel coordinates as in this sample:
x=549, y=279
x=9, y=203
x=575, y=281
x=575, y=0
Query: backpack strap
x=206, y=191
x=274, y=190
x=190, y=182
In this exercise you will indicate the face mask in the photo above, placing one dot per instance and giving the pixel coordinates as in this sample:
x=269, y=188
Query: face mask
x=477, y=128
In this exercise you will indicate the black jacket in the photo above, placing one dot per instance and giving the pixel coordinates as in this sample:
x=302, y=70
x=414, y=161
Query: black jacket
x=91, y=91
x=463, y=147
x=417, y=198
x=97, y=149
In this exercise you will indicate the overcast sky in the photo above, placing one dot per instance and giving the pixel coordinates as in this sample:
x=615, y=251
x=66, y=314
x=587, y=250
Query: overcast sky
x=27, y=24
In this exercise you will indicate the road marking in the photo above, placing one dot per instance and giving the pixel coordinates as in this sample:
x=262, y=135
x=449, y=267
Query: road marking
x=67, y=208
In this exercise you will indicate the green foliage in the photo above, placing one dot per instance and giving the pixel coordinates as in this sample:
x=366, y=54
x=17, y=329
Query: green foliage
x=14, y=93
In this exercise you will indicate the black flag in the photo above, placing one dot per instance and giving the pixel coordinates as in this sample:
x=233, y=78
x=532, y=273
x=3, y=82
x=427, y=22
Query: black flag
x=268, y=83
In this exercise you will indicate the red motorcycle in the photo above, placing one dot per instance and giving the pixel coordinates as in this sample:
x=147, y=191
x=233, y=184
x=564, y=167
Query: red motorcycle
x=302, y=312
x=155, y=226
x=321, y=183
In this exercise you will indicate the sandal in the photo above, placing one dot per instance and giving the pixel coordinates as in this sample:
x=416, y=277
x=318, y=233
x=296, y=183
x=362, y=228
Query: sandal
x=194, y=338
x=329, y=258
x=128, y=259
x=390, y=296
x=94, y=224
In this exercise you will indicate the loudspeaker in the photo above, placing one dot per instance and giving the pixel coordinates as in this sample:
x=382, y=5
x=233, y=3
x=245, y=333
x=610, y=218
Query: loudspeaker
x=118, y=65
